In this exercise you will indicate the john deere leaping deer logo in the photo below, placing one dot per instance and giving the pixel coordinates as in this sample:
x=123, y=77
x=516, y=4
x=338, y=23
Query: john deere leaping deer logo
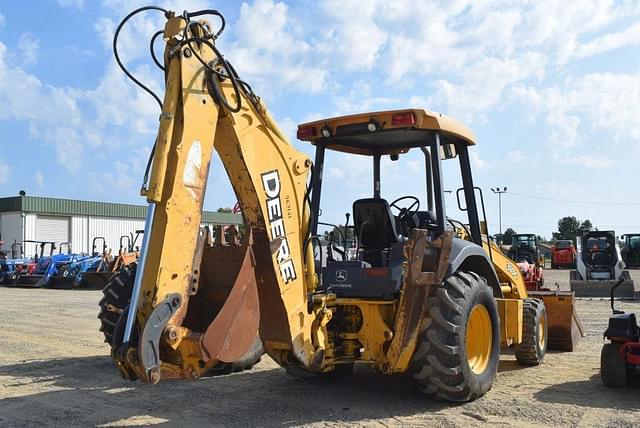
x=341, y=275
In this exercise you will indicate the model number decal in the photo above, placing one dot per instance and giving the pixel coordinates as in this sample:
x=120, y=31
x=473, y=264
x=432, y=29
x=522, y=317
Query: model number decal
x=512, y=270
x=271, y=184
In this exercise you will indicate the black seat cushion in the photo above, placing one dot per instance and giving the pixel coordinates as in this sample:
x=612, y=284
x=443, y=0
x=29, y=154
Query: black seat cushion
x=374, y=223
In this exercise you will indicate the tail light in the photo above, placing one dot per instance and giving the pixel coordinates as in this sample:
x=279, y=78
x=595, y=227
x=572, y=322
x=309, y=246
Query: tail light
x=306, y=132
x=403, y=119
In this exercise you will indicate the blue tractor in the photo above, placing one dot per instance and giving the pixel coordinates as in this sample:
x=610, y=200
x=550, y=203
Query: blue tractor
x=32, y=272
x=64, y=268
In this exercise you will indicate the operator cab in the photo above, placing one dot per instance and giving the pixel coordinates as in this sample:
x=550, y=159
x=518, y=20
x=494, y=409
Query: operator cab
x=373, y=267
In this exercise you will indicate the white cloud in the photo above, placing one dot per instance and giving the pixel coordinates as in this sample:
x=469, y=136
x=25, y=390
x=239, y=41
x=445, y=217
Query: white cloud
x=353, y=35
x=38, y=177
x=28, y=47
x=2, y=20
x=597, y=101
x=477, y=163
x=583, y=112
x=71, y=120
x=628, y=37
x=119, y=180
x=361, y=97
x=281, y=61
x=5, y=172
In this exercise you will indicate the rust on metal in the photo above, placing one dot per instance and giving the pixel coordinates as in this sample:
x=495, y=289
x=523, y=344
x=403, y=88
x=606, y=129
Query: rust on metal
x=411, y=299
x=412, y=307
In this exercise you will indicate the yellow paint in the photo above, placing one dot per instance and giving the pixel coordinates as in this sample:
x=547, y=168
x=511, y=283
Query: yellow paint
x=479, y=339
x=511, y=321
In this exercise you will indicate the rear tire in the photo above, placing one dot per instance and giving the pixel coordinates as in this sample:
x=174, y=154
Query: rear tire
x=533, y=348
x=451, y=362
x=613, y=370
x=116, y=298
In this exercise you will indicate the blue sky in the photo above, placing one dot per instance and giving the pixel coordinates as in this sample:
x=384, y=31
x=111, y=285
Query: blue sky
x=551, y=89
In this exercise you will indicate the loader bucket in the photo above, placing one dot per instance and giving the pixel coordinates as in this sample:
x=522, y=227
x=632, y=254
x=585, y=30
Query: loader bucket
x=225, y=308
x=602, y=288
x=28, y=281
x=59, y=282
x=564, y=328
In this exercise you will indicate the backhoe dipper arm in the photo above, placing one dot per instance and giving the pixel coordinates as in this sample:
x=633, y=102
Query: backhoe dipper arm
x=204, y=109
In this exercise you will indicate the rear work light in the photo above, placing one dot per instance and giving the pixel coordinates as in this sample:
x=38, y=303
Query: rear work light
x=306, y=132
x=403, y=119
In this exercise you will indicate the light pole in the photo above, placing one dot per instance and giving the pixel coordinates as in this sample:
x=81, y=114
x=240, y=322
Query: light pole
x=499, y=192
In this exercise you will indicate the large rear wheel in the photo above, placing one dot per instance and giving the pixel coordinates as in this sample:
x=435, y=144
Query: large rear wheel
x=458, y=350
x=115, y=300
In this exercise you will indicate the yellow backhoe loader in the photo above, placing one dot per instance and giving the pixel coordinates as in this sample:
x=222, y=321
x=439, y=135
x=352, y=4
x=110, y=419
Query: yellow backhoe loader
x=421, y=293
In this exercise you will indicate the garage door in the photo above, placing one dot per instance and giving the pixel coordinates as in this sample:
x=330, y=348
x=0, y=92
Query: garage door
x=54, y=229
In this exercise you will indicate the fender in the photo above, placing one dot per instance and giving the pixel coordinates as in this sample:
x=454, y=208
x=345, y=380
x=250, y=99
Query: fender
x=466, y=255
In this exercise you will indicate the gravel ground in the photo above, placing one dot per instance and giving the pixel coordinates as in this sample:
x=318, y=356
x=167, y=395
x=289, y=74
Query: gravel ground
x=55, y=370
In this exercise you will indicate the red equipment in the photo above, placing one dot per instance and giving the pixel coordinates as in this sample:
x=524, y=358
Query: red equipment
x=620, y=358
x=563, y=254
x=533, y=275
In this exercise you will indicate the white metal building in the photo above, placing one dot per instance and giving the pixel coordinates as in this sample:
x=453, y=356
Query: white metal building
x=24, y=218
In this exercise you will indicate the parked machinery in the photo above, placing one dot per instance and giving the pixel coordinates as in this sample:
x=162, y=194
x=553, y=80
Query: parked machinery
x=62, y=269
x=70, y=270
x=37, y=268
x=631, y=249
x=425, y=295
x=620, y=358
x=599, y=266
x=12, y=263
x=525, y=251
x=563, y=254
x=101, y=273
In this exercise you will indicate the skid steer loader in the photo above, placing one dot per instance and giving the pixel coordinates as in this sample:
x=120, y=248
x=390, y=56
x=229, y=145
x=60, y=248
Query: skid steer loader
x=422, y=294
x=599, y=266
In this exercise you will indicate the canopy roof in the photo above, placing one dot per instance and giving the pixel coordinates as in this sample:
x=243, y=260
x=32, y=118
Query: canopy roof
x=385, y=132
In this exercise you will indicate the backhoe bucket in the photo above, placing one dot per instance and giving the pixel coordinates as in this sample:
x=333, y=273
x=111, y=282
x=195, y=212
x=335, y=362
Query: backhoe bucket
x=225, y=307
x=564, y=328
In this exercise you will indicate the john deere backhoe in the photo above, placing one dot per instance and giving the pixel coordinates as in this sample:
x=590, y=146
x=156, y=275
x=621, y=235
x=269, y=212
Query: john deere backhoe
x=423, y=294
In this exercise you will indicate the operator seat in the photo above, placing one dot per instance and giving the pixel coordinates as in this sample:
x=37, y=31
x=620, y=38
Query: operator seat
x=375, y=227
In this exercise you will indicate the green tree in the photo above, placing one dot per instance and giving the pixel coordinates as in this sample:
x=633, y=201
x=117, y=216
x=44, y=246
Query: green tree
x=507, y=236
x=585, y=226
x=570, y=227
x=225, y=210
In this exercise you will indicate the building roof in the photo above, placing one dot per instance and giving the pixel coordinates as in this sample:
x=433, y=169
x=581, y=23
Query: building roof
x=37, y=204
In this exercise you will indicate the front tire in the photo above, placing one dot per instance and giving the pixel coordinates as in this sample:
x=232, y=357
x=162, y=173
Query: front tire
x=613, y=370
x=458, y=350
x=533, y=348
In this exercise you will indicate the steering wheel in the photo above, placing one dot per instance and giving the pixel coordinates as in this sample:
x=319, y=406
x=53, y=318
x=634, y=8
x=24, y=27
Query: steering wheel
x=404, y=213
x=405, y=218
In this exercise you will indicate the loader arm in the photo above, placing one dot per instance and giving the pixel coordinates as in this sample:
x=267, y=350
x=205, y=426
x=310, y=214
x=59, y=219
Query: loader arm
x=269, y=177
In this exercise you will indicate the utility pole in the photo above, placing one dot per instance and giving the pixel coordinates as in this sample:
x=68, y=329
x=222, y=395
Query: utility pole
x=499, y=192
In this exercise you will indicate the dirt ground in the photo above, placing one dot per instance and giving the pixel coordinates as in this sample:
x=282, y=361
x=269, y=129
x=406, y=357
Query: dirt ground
x=55, y=370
